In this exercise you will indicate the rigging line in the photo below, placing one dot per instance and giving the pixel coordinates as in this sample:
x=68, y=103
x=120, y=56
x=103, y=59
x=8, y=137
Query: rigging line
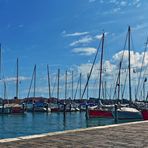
x=31, y=83
x=120, y=65
x=132, y=42
x=124, y=86
x=54, y=85
x=5, y=88
x=143, y=79
x=95, y=83
x=92, y=68
x=141, y=67
x=49, y=83
x=76, y=88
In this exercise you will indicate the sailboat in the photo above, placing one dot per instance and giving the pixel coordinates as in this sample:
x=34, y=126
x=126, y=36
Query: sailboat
x=55, y=107
x=35, y=105
x=128, y=112
x=100, y=111
x=5, y=108
x=16, y=108
x=144, y=107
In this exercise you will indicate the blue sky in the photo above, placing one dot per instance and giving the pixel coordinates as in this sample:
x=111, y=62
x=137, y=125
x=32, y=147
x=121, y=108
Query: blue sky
x=65, y=35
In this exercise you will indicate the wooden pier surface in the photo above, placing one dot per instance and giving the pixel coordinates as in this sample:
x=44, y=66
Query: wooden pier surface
x=112, y=136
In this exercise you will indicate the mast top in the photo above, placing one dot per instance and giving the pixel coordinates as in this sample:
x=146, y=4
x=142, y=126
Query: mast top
x=129, y=28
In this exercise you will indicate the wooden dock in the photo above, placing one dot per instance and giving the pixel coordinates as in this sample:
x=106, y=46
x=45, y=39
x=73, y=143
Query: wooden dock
x=131, y=135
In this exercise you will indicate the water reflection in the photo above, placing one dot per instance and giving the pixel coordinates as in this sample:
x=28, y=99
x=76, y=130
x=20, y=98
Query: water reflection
x=38, y=123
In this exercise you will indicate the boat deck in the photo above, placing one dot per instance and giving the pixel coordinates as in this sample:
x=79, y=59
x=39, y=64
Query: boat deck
x=120, y=135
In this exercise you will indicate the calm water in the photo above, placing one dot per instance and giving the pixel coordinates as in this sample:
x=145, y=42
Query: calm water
x=38, y=123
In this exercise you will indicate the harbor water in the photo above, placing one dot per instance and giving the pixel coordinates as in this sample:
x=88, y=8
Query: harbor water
x=38, y=123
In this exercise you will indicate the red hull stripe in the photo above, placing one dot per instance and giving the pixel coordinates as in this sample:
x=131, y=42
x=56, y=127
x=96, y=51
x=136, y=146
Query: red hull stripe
x=100, y=113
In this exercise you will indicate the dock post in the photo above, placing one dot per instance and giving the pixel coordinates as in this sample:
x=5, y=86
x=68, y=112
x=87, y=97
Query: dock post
x=2, y=108
x=64, y=110
x=47, y=105
x=116, y=114
x=80, y=107
x=87, y=115
x=70, y=107
x=23, y=106
x=64, y=107
x=33, y=108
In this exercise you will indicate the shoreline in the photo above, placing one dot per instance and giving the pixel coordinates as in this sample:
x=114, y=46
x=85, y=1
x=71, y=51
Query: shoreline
x=67, y=132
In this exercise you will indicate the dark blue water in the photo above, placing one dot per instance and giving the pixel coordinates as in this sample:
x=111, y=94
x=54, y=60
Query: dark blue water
x=38, y=123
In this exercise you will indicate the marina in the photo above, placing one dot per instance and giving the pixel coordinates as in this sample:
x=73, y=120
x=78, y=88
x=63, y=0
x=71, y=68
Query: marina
x=73, y=73
x=127, y=135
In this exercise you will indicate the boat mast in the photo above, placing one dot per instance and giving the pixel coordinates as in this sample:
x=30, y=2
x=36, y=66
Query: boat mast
x=49, y=91
x=80, y=84
x=0, y=61
x=129, y=63
x=34, y=81
x=17, y=81
x=5, y=90
x=119, y=81
x=66, y=85
x=101, y=66
x=32, y=78
x=105, y=90
x=87, y=87
x=58, y=83
x=72, y=85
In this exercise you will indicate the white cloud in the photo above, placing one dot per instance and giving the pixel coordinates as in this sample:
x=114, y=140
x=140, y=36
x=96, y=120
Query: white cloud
x=83, y=40
x=74, y=34
x=116, y=9
x=87, y=39
x=98, y=36
x=84, y=51
x=123, y=3
x=110, y=67
x=118, y=5
x=140, y=26
x=12, y=79
x=136, y=58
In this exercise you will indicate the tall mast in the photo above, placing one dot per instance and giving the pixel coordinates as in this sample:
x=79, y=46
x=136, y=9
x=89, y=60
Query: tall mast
x=49, y=91
x=0, y=61
x=58, y=83
x=72, y=85
x=129, y=63
x=88, y=87
x=101, y=66
x=119, y=81
x=105, y=90
x=66, y=85
x=34, y=81
x=80, y=84
x=17, y=81
x=5, y=90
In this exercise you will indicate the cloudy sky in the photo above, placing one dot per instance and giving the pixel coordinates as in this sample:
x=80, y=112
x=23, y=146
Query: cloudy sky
x=65, y=34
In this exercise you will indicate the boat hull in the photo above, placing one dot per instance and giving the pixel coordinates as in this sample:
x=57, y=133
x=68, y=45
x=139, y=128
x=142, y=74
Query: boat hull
x=17, y=110
x=145, y=114
x=5, y=110
x=97, y=113
x=125, y=115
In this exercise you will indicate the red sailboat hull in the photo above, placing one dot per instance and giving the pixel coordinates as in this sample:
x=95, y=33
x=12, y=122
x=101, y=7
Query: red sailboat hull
x=17, y=110
x=100, y=114
x=145, y=114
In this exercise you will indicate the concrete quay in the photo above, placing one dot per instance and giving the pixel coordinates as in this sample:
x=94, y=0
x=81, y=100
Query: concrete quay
x=130, y=135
